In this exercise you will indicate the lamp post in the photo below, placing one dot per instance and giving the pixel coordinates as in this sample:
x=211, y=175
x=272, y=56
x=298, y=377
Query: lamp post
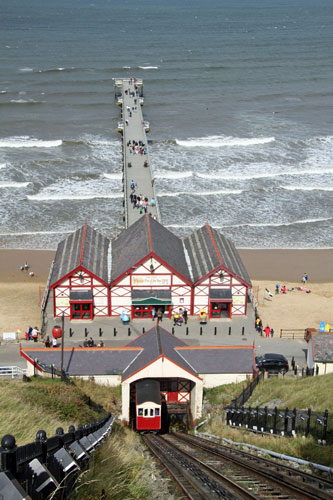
x=62, y=345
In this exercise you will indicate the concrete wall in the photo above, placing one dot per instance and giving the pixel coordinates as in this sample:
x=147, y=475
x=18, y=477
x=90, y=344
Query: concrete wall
x=215, y=379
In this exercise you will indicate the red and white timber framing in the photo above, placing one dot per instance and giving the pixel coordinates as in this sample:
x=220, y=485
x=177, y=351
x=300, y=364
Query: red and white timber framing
x=80, y=280
x=140, y=277
x=220, y=279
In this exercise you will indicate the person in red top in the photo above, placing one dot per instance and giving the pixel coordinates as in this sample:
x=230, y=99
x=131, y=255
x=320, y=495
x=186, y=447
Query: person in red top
x=267, y=331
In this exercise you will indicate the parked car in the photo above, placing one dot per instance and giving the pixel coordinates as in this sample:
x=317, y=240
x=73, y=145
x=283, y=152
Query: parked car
x=272, y=363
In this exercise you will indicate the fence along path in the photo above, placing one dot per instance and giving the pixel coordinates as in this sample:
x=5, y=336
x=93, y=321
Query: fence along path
x=136, y=166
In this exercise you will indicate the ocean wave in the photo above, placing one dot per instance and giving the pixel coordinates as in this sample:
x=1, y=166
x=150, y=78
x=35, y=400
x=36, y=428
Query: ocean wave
x=126, y=67
x=199, y=193
x=240, y=177
x=26, y=70
x=164, y=174
x=308, y=188
x=3, y=91
x=23, y=101
x=148, y=67
x=3, y=165
x=14, y=184
x=27, y=142
x=113, y=176
x=216, y=141
x=28, y=233
x=52, y=70
x=253, y=224
x=56, y=197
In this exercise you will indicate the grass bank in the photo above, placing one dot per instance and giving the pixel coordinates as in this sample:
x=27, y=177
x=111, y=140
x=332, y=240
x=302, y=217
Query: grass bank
x=310, y=392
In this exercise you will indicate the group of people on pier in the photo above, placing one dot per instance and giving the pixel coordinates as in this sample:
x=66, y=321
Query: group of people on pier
x=137, y=147
x=139, y=201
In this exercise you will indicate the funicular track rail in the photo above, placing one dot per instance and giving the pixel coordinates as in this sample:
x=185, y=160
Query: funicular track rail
x=292, y=481
x=204, y=469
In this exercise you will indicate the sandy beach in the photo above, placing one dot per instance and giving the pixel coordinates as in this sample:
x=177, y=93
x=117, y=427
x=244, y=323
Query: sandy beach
x=20, y=294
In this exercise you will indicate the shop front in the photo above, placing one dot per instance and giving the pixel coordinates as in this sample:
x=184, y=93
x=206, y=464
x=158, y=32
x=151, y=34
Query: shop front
x=144, y=301
x=220, y=303
x=81, y=305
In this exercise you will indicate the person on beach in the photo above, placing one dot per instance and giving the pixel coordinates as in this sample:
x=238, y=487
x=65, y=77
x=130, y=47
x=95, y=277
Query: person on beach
x=284, y=289
x=277, y=288
x=304, y=278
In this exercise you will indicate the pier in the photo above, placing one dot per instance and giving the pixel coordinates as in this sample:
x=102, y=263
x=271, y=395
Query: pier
x=135, y=154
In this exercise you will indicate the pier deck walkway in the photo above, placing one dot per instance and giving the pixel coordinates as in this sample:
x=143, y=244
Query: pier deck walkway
x=136, y=165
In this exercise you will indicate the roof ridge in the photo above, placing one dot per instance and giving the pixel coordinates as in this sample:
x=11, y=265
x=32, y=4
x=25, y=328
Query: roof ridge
x=149, y=233
x=83, y=242
x=209, y=230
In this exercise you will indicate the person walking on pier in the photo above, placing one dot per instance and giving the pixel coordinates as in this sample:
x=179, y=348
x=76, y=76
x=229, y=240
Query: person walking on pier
x=132, y=185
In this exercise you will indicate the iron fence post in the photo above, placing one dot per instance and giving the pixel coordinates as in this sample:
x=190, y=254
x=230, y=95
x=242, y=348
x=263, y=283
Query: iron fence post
x=257, y=417
x=249, y=418
x=308, y=422
x=275, y=419
x=8, y=454
x=293, y=422
x=285, y=426
x=325, y=425
x=265, y=419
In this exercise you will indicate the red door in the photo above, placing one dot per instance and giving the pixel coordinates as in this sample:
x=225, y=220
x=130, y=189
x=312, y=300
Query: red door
x=220, y=309
x=81, y=310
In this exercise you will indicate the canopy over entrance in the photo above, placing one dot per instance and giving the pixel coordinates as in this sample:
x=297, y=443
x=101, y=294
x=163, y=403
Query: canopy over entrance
x=151, y=297
x=220, y=295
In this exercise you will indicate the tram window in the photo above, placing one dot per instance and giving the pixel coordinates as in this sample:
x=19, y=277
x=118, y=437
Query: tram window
x=151, y=412
x=140, y=412
x=146, y=412
x=157, y=412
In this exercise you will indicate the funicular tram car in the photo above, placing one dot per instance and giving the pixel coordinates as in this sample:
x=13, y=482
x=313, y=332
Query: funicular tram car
x=148, y=405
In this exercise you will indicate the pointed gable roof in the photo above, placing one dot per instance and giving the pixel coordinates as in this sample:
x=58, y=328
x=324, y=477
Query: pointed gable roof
x=155, y=343
x=208, y=250
x=142, y=238
x=85, y=248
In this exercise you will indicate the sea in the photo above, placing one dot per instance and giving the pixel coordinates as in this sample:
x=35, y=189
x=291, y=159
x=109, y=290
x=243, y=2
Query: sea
x=238, y=95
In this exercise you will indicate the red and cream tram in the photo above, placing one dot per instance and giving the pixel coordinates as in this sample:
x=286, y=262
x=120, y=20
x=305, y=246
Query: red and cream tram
x=148, y=405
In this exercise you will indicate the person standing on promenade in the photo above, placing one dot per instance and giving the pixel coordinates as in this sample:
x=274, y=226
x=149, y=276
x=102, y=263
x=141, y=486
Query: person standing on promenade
x=185, y=316
x=272, y=333
x=159, y=315
x=153, y=313
x=267, y=331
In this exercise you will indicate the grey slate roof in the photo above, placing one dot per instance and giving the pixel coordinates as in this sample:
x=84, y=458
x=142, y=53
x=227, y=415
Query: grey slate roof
x=220, y=294
x=204, y=257
x=87, y=361
x=323, y=347
x=94, y=257
x=155, y=342
x=141, y=238
x=228, y=360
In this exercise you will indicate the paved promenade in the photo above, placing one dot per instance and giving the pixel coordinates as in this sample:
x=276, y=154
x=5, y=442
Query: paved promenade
x=136, y=159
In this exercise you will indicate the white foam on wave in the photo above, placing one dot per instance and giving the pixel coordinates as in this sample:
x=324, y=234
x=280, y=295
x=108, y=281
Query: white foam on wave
x=3, y=165
x=26, y=70
x=126, y=67
x=263, y=175
x=199, y=193
x=14, y=184
x=112, y=176
x=308, y=188
x=78, y=197
x=25, y=101
x=276, y=224
x=254, y=224
x=28, y=233
x=219, y=141
x=27, y=142
x=164, y=174
x=3, y=91
x=148, y=67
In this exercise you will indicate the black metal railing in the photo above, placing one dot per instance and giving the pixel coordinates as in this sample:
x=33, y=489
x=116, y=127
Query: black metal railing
x=283, y=422
x=49, y=466
x=247, y=392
